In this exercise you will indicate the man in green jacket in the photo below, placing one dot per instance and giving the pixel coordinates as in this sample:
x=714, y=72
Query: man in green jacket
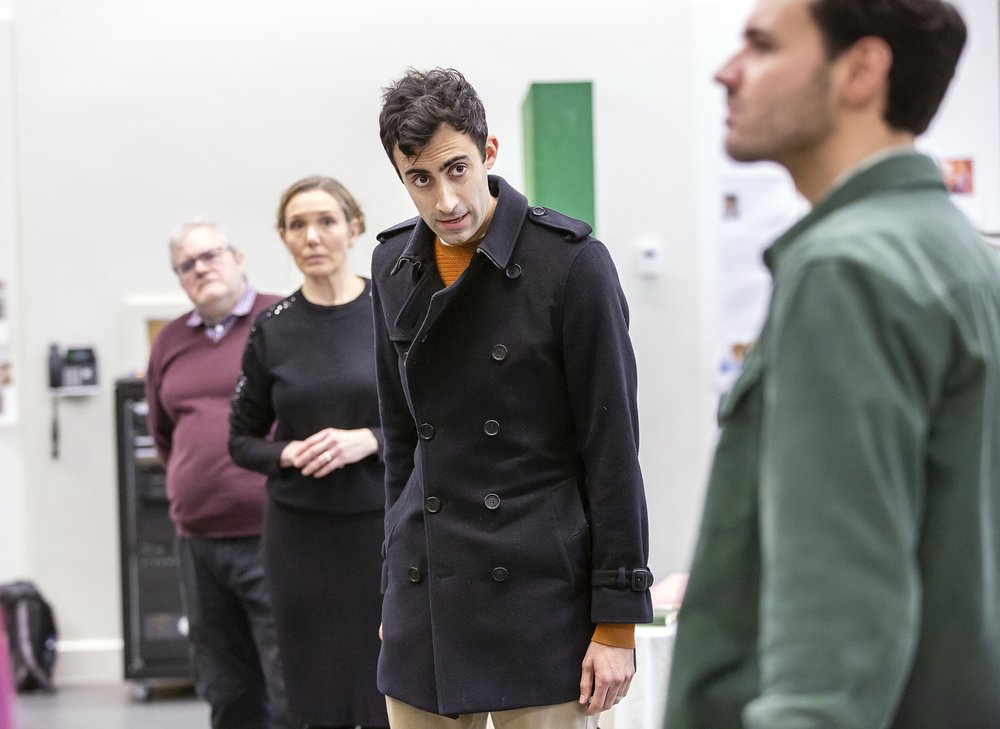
x=848, y=567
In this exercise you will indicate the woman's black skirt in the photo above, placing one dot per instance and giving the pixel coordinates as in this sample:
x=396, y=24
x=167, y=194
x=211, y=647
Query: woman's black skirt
x=324, y=572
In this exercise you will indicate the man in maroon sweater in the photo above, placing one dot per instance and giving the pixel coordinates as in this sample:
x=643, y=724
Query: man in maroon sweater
x=216, y=506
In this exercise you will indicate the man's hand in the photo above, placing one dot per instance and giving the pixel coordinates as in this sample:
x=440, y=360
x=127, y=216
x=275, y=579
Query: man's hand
x=607, y=675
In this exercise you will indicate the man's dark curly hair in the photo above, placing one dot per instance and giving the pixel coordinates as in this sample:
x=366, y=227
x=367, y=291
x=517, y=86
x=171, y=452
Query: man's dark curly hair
x=926, y=38
x=421, y=101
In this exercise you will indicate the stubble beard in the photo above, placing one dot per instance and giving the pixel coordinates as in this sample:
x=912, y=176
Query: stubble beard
x=788, y=133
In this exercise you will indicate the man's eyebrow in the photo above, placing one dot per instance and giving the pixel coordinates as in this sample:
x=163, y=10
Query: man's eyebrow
x=756, y=34
x=457, y=158
x=444, y=165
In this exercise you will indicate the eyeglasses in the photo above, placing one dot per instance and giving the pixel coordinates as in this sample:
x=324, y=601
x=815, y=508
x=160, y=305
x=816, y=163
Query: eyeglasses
x=207, y=257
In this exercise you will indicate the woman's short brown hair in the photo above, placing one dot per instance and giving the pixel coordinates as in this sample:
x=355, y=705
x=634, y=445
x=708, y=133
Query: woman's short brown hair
x=329, y=185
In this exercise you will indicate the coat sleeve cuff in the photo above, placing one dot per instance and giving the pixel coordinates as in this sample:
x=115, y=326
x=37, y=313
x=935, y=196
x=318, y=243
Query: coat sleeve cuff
x=637, y=580
x=621, y=596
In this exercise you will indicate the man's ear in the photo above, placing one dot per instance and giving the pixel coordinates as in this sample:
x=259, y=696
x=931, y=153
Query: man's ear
x=239, y=258
x=865, y=73
x=492, y=147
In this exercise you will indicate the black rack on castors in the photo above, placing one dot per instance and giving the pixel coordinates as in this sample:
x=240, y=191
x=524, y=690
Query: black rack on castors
x=154, y=627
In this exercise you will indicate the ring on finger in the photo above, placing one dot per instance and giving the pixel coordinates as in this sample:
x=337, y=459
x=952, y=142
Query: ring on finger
x=327, y=457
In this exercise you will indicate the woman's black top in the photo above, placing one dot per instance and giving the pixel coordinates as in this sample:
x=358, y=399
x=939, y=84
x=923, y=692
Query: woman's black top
x=305, y=368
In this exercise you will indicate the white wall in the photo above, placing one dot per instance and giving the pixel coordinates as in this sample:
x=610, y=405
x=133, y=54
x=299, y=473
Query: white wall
x=967, y=125
x=134, y=114
x=13, y=532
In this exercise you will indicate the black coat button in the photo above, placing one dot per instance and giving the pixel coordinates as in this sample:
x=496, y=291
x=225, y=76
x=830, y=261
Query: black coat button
x=513, y=271
x=492, y=502
x=426, y=431
x=414, y=574
x=491, y=427
x=499, y=352
x=538, y=211
x=500, y=574
x=432, y=504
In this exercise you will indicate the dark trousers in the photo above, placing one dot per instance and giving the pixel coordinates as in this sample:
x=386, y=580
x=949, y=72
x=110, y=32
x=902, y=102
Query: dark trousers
x=236, y=664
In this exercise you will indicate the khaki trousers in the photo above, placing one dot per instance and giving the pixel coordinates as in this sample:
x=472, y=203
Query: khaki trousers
x=559, y=716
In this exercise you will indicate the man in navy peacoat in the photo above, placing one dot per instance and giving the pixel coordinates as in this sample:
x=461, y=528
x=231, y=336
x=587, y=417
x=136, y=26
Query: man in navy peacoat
x=516, y=535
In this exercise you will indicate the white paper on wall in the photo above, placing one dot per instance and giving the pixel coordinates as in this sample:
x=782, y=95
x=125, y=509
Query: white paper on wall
x=8, y=395
x=8, y=382
x=757, y=203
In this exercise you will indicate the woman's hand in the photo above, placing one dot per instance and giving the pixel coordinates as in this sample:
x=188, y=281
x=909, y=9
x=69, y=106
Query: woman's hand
x=289, y=453
x=330, y=449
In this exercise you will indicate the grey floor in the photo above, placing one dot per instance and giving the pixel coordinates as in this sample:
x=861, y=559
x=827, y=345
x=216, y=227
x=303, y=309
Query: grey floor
x=109, y=706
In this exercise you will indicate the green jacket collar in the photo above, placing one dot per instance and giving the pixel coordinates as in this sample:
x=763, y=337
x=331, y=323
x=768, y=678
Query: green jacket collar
x=906, y=171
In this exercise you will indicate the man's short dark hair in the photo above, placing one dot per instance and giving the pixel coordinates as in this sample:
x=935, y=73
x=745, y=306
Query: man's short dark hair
x=421, y=101
x=926, y=38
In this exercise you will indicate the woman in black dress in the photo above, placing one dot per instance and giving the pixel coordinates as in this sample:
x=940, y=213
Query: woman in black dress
x=308, y=370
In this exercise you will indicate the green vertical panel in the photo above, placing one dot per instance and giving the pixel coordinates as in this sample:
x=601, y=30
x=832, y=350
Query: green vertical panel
x=558, y=123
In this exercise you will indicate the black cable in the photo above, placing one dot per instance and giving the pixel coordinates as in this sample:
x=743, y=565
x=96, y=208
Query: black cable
x=55, y=427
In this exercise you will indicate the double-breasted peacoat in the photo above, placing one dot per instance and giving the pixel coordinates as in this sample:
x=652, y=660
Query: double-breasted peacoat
x=515, y=513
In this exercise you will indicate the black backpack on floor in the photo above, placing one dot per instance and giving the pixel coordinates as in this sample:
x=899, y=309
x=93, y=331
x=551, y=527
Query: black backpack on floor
x=31, y=635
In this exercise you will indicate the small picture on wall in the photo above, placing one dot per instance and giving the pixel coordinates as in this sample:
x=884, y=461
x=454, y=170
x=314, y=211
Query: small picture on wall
x=4, y=325
x=730, y=206
x=6, y=392
x=153, y=327
x=958, y=176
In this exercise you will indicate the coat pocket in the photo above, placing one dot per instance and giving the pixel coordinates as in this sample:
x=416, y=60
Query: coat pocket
x=752, y=372
x=395, y=512
x=572, y=531
x=577, y=547
x=731, y=497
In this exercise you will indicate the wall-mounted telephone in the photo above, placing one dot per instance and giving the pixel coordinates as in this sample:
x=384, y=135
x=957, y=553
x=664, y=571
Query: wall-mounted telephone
x=72, y=374
x=73, y=371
